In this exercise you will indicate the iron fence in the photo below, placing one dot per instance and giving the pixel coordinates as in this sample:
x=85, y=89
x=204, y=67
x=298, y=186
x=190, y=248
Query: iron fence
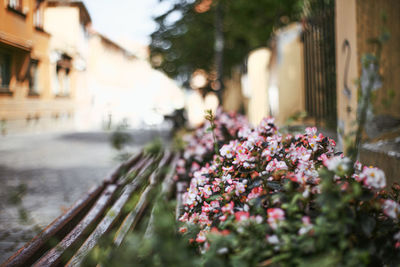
x=320, y=64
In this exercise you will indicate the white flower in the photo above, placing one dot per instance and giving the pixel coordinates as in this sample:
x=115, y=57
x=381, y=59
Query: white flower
x=391, y=208
x=307, y=225
x=259, y=219
x=227, y=178
x=244, y=132
x=373, y=177
x=273, y=239
x=223, y=250
x=281, y=165
x=337, y=164
x=397, y=236
x=226, y=151
x=240, y=188
x=311, y=131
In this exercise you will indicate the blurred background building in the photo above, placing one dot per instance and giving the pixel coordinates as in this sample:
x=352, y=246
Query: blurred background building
x=57, y=73
x=24, y=66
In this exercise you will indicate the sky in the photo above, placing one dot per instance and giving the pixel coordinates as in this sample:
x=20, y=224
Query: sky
x=130, y=19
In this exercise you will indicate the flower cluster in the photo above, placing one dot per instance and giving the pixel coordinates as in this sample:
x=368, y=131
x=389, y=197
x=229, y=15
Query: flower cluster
x=223, y=188
x=200, y=145
x=282, y=187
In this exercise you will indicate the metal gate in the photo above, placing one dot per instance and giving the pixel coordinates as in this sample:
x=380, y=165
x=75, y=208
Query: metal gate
x=320, y=63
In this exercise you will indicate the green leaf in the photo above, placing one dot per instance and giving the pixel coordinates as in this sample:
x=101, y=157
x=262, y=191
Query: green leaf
x=367, y=224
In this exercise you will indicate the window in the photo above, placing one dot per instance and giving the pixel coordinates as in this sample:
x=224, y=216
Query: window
x=38, y=15
x=15, y=4
x=5, y=71
x=66, y=83
x=56, y=86
x=33, y=77
x=62, y=82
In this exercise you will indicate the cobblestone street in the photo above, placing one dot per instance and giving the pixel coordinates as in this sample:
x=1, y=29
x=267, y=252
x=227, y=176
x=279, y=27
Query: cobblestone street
x=42, y=175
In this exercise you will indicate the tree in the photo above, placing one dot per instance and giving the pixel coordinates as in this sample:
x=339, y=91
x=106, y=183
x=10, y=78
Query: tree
x=180, y=46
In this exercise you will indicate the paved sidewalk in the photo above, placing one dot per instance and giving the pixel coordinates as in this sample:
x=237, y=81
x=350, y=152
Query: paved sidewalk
x=42, y=175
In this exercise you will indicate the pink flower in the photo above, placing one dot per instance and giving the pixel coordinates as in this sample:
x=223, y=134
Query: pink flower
x=228, y=208
x=271, y=166
x=275, y=165
x=229, y=188
x=303, y=154
x=201, y=237
x=255, y=192
x=215, y=230
x=311, y=131
x=206, y=207
x=223, y=218
x=242, y=215
x=194, y=218
x=227, y=169
x=313, y=139
x=227, y=151
x=272, y=146
x=391, y=208
x=240, y=149
x=267, y=125
x=373, y=177
x=203, y=219
x=239, y=188
x=275, y=216
x=195, y=166
x=227, y=179
x=338, y=164
x=206, y=190
x=244, y=132
x=281, y=165
x=184, y=217
x=215, y=204
x=307, y=226
x=397, y=238
x=215, y=185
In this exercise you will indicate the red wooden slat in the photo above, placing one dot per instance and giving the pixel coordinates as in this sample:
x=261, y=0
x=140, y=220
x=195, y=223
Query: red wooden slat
x=53, y=257
x=133, y=217
x=26, y=255
x=126, y=166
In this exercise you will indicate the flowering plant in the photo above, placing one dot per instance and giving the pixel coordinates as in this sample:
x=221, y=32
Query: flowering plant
x=200, y=145
x=266, y=198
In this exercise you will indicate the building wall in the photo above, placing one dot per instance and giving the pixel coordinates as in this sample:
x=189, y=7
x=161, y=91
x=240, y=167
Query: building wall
x=68, y=33
x=63, y=33
x=290, y=74
x=19, y=111
x=258, y=80
x=70, y=37
x=373, y=19
x=232, y=96
x=275, y=78
x=346, y=28
x=357, y=22
x=116, y=80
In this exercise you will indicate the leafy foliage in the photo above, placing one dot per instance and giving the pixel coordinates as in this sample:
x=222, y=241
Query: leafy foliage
x=290, y=200
x=180, y=47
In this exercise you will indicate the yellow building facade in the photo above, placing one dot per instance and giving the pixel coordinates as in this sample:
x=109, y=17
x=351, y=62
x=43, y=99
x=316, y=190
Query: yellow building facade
x=42, y=61
x=58, y=73
x=24, y=65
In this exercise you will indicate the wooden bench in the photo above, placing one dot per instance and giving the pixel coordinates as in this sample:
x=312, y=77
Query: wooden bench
x=116, y=206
